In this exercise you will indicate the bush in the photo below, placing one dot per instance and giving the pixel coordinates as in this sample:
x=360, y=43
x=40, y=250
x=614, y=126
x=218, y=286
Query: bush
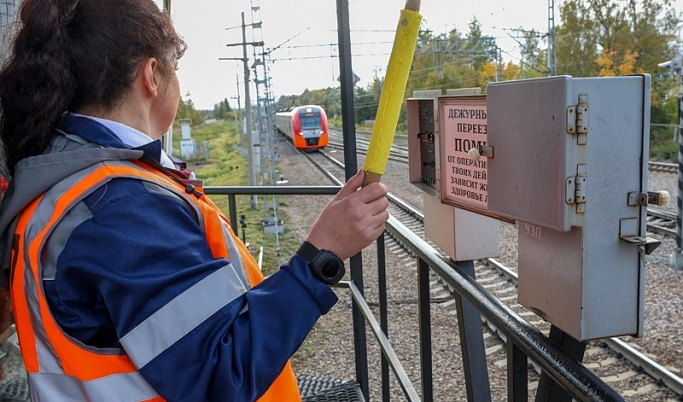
x=662, y=145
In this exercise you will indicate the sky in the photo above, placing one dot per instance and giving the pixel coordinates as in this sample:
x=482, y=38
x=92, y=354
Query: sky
x=302, y=39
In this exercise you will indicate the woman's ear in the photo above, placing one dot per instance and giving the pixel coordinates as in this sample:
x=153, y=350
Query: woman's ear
x=150, y=76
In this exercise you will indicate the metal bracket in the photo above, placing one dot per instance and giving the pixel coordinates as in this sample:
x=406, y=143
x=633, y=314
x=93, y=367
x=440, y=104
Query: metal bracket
x=577, y=120
x=637, y=199
x=483, y=150
x=647, y=244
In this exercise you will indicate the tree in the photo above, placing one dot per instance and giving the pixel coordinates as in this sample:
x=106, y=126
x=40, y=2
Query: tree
x=533, y=59
x=222, y=110
x=488, y=73
x=453, y=60
x=598, y=36
x=365, y=105
x=576, y=40
x=480, y=49
x=612, y=38
x=186, y=110
x=610, y=67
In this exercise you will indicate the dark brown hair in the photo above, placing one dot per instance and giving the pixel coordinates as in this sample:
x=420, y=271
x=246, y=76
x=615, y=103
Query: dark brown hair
x=73, y=53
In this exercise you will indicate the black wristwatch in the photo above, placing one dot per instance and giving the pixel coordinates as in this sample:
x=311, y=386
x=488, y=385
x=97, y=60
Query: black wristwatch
x=325, y=264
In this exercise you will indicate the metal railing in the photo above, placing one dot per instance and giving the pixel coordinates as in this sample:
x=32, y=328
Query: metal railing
x=523, y=341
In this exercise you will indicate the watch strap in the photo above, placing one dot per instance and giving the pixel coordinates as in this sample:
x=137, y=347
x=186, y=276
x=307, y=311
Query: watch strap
x=308, y=251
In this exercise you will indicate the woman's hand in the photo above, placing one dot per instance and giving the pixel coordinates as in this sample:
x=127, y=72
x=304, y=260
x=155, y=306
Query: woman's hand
x=353, y=219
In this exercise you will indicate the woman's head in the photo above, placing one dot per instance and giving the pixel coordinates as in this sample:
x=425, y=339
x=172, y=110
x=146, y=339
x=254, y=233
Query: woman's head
x=75, y=54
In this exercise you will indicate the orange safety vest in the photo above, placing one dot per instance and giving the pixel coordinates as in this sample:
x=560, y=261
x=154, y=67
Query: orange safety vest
x=60, y=368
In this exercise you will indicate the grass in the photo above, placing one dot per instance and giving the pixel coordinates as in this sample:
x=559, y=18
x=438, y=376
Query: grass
x=662, y=145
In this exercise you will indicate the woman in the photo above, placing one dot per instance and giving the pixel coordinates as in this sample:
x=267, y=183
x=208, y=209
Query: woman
x=127, y=283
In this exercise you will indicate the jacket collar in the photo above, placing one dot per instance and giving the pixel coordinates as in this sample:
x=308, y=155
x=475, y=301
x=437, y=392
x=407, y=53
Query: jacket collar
x=98, y=133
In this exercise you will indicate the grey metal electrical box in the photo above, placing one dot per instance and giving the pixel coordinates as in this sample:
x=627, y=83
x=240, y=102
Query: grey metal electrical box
x=569, y=165
x=461, y=234
x=422, y=140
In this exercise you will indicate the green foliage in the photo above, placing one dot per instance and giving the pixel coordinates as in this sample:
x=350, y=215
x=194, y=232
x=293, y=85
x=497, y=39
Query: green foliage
x=451, y=60
x=366, y=101
x=612, y=37
x=533, y=61
x=186, y=110
x=662, y=144
x=222, y=110
x=616, y=29
x=327, y=98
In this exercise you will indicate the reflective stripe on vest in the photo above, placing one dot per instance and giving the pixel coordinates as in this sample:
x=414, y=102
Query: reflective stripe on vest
x=59, y=365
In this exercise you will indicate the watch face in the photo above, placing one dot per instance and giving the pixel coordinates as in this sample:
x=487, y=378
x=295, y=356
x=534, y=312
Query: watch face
x=328, y=267
x=331, y=268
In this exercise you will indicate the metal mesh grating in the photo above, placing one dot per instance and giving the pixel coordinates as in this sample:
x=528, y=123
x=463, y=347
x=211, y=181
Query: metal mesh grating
x=322, y=389
x=13, y=384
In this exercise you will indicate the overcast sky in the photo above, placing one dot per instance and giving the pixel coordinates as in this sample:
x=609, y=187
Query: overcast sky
x=302, y=36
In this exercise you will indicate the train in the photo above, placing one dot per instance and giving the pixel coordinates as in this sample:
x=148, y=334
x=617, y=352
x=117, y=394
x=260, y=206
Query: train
x=305, y=126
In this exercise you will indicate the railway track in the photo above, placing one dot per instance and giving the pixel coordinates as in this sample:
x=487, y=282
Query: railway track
x=620, y=364
x=663, y=167
x=401, y=151
x=661, y=222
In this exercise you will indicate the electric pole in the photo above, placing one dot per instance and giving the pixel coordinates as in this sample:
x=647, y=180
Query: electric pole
x=251, y=143
x=552, y=50
x=247, y=110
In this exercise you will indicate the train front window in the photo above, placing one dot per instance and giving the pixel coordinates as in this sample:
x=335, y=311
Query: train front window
x=310, y=121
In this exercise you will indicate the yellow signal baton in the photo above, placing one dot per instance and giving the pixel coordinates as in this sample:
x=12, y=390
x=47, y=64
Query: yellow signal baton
x=393, y=90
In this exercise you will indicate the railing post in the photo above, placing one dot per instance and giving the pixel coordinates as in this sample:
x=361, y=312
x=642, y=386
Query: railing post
x=549, y=390
x=351, y=164
x=424, y=308
x=232, y=207
x=518, y=374
x=472, y=343
x=359, y=332
x=383, y=319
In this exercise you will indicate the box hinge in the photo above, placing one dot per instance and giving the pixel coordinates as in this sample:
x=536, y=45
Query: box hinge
x=575, y=192
x=577, y=120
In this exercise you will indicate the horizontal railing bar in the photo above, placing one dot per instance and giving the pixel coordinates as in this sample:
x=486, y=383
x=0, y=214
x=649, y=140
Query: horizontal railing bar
x=233, y=191
x=274, y=190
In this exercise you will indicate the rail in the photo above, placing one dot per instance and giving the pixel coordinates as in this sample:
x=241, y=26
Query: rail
x=524, y=341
